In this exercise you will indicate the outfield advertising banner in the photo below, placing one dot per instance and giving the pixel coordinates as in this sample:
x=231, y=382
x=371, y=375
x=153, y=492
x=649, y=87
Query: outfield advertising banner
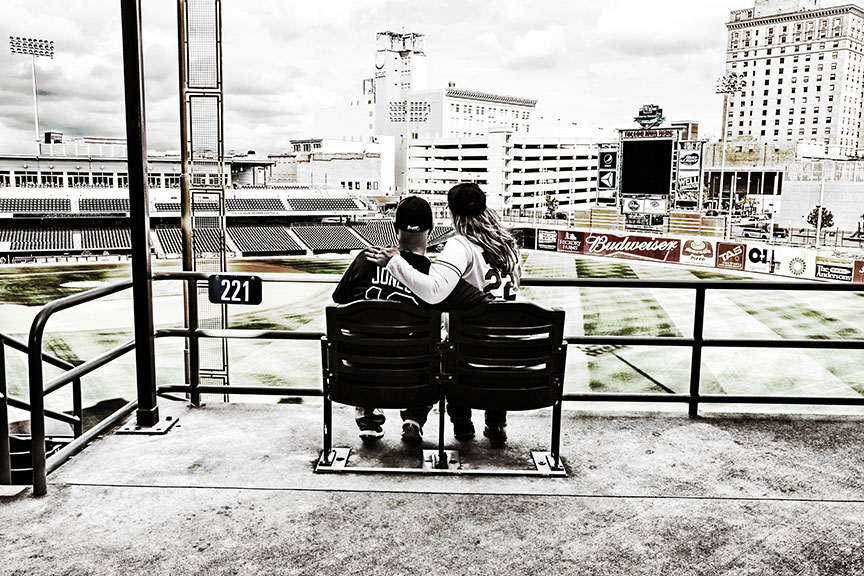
x=571, y=242
x=547, y=240
x=858, y=275
x=794, y=262
x=760, y=258
x=632, y=247
x=730, y=255
x=698, y=252
x=837, y=269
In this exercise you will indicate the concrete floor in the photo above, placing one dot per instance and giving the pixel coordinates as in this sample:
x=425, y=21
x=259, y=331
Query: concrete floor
x=231, y=490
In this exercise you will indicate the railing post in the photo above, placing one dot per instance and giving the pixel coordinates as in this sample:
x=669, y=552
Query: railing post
x=37, y=407
x=77, y=407
x=696, y=358
x=5, y=459
x=142, y=277
x=194, y=340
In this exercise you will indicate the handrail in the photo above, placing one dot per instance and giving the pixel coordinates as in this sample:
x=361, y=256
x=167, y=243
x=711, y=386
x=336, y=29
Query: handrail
x=5, y=400
x=38, y=388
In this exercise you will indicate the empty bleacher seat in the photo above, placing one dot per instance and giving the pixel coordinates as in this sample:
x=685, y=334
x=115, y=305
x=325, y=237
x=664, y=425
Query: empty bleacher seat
x=380, y=233
x=255, y=205
x=204, y=240
x=263, y=239
x=197, y=207
x=328, y=238
x=37, y=239
x=35, y=205
x=113, y=205
x=105, y=238
x=324, y=205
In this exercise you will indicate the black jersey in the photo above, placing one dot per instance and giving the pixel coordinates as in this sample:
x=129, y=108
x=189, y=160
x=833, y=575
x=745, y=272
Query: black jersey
x=364, y=280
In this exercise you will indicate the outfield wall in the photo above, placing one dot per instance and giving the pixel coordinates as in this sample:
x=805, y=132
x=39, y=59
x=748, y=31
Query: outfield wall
x=788, y=261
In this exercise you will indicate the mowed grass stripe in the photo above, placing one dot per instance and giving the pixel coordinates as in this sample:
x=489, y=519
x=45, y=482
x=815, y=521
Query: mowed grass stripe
x=801, y=315
x=554, y=265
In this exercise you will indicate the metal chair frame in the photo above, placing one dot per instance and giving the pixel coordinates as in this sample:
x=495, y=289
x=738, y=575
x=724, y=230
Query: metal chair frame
x=506, y=356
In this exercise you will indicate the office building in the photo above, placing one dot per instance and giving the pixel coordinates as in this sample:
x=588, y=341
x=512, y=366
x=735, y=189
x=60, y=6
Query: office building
x=803, y=67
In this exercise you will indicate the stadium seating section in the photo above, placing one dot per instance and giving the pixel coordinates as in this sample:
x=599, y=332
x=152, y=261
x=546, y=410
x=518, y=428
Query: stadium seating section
x=198, y=207
x=255, y=205
x=264, y=239
x=35, y=205
x=105, y=238
x=329, y=238
x=111, y=205
x=323, y=204
x=37, y=239
x=379, y=233
x=204, y=239
x=438, y=232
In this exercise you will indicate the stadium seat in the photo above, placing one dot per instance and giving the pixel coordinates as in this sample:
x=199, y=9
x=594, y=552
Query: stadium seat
x=264, y=239
x=378, y=353
x=509, y=356
x=499, y=356
x=328, y=238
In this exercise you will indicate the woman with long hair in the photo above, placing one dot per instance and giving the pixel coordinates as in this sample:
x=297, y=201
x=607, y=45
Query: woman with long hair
x=483, y=253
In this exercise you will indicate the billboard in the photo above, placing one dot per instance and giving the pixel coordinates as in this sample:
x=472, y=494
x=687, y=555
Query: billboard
x=607, y=171
x=571, y=242
x=547, y=240
x=760, y=258
x=858, y=275
x=837, y=269
x=698, y=252
x=689, y=167
x=646, y=167
x=633, y=247
x=730, y=255
x=794, y=262
x=643, y=205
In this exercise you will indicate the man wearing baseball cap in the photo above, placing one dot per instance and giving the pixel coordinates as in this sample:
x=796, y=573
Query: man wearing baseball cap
x=364, y=280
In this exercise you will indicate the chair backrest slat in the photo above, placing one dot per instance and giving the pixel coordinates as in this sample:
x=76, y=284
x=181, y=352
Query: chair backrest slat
x=383, y=354
x=506, y=356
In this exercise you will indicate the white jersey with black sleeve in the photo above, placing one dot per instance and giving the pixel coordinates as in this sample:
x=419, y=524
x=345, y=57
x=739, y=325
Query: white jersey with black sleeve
x=460, y=258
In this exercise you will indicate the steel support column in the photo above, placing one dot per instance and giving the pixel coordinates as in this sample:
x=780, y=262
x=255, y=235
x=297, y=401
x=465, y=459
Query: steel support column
x=5, y=461
x=139, y=216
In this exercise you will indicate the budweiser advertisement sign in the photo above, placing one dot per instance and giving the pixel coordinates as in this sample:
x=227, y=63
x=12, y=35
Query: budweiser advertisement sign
x=633, y=247
x=730, y=255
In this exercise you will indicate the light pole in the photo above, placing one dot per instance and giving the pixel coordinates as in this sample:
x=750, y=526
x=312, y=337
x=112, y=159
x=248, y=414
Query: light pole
x=34, y=48
x=819, y=207
x=727, y=84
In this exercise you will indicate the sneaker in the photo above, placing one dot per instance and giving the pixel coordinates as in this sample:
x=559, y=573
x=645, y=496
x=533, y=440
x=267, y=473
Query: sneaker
x=371, y=435
x=463, y=430
x=496, y=433
x=411, y=432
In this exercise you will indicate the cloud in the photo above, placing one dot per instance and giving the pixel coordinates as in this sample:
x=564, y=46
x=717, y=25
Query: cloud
x=538, y=48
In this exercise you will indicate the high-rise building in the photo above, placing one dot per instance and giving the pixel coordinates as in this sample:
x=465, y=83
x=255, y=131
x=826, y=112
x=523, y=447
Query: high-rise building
x=803, y=67
x=397, y=104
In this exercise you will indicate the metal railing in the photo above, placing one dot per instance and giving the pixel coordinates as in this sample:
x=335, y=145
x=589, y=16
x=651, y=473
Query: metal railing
x=75, y=420
x=697, y=342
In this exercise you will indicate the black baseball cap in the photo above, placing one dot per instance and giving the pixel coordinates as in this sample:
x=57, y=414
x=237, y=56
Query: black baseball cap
x=466, y=199
x=413, y=214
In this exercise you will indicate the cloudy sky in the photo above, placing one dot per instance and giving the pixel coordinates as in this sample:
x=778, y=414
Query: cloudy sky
x=585, y=61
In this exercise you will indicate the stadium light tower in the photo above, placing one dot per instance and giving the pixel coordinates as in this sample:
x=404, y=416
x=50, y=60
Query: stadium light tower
x=34, y=48
x=726, y=85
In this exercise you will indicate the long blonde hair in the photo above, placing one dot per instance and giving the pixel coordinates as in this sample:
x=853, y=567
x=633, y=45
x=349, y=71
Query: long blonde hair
x=497, y=242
